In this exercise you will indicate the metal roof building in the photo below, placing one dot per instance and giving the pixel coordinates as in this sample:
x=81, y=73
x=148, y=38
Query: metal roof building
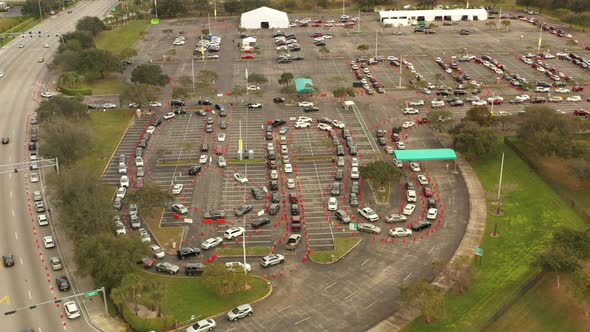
x=264, y=18
x=408, y=17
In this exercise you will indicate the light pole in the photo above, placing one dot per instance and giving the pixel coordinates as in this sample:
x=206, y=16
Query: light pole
x=156, y=7
x=540, y=39
x=401, y=65
x=40, y=11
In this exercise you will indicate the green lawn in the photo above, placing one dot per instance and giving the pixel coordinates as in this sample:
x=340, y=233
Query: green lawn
x=108, y=128
x=8, y=22
x=121, y=38
x=342, y=245
x=531, y=211
x=107, y=87
x=167, y=236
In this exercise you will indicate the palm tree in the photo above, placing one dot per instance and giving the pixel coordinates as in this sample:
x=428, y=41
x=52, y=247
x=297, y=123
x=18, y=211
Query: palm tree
x=506, y=24
x=324, y=50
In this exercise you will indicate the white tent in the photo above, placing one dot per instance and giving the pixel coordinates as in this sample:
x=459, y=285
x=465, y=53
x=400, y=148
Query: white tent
x=264, y=18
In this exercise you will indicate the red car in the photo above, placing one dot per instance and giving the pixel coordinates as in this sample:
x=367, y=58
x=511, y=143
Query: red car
x=316, y=35
x=423, y=120
x=577, y=88
x=248, y=50
x=497, y=102
x=395, y=137
x=219, y=150
x=427, y=191
x=316, y=25
x=248, y=56
x=581, y=113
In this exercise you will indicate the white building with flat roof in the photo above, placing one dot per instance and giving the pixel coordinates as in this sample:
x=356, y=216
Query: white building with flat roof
x=409, y=17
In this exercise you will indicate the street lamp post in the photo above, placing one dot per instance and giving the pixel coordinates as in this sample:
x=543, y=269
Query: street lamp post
x=40, y=11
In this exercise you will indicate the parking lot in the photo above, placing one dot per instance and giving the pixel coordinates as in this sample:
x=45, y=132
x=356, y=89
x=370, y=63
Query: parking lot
x=304, y=290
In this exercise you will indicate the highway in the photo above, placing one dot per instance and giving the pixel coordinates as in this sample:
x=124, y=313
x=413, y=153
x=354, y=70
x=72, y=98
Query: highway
x=28, y=282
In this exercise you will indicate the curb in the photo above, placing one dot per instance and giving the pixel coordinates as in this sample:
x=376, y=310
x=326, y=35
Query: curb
x=341, y=257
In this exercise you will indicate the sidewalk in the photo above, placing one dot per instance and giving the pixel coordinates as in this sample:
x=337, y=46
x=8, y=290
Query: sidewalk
x=473, y=235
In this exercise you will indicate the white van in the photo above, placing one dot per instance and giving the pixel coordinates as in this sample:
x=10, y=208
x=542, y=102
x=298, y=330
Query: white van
x=122, y=168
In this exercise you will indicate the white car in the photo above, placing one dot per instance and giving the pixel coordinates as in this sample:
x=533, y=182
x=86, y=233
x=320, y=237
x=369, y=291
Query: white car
x=415, y=167
x=21, y=45
x=419, y=102
x=479, y=103
x=169, y=115
x=410, y=110
x=555, y=99
x=573, y=98
x=411, y=196
x=423, y=179
x=150, y=129
x=157, y=251
x=46, y=94
x=523, y=97
x=305, y=104
x=120, y=228
x=354, y=162
x=398, y=163
x=155, y=104
x=304, y=119
x=409, y=209
x=274, y=174
x=221, y=137
x=354, y=173
x=42, y=220
x=177, y=189
x=562, y=90
x=368, y=214
x=332, y=204
x=338, y=124
x=240, y=178
x=408, y=124
x=71, y=309
x=290, y=183
x=542, y=89
x=302, y=125
x=46, y=45
x=121, y=192
x=400, y=232
x=234, y=232
x=323, y=126
x=254, y=105
x=202, y=326
x=178, y=42
x=253, y=88
x=432, y=213
x=179, y=208
x=394, y=217
x=34, y=177
x=400, y=145
x=211, y=243
x=238, y=266
x=203, y=159
x=288, y=168
x=437, y=103
x=138, y=162
x=109, y=106
x=48, y=242
x=124, y=181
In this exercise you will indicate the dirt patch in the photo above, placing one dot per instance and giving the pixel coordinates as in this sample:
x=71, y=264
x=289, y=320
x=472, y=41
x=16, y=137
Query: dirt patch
x=142, y=311
x=556, y=169
x=562, y=296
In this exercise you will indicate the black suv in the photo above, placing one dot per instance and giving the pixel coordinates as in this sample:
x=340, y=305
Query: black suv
x=204, y=102
x=259, y=222
x=274, y=185
x=242, y=210
x=278, y=100
x=194, y=170
x=420, y=225
x=257, y=193
x=186, y=252
x=8, y=260
x=310, y=109
x=194, y=269
x=176, y=103
x=63, y=284
x=215, y=214
x=277, y=123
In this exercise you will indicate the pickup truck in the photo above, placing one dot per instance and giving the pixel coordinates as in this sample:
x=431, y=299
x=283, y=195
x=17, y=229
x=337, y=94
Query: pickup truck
x=293, y=242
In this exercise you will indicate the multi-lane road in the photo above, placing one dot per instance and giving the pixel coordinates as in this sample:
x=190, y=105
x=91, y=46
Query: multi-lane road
x=28, y=282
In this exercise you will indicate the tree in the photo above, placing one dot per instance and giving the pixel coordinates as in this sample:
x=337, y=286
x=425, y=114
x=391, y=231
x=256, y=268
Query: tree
x=441, y=120
x=491, y=24
x=150, y=196
x=149, y=74
x=480, y=115
x=557, y=259
x=473, y=141
x=60, y=106
x=71, y=80
x=65, y=140
x=580, y=168
x=506, y=24
x=437, y=78
x=140, y=93
x=179, y=93
x=286, y=78
x=127, y=53
x=425, y=297
x=381, y=173
x=222, y=281
x=343, y=92
x=99, y=62
x=232, y=6
x=257, y=78
x=426, y=4
x=76, y=41
x=201, y=6
x=574, y=241
x=363, y=47
x=170, y=7
x=31, y=7
x=459, y=272
x=131, y=285
x=544, y=131
x=324, y=50
x=107, y=259
x=580, y=289
x=91, y=24
x=153, y=292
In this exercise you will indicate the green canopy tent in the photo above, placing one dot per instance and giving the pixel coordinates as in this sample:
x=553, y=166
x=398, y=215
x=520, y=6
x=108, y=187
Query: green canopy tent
x=304, y=85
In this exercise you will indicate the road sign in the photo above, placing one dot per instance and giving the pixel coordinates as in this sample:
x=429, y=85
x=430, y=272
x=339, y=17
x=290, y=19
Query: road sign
x=240, y=144
x=479, y=251
x=353, y=226
x=90, y=294
x=155, y=21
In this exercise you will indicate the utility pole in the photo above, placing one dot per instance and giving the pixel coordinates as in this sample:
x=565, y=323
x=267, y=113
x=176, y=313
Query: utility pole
x=540, y=39
x=40, y=11
x=193, y=70
x=376, y=43
x=500, y=185
x=401, y=65
x=156, y=7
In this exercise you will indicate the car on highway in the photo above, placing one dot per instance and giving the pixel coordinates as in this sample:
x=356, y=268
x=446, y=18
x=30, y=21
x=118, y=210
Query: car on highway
x=46, y=94
x=395, y=217
x=408, y=124
x=290, y=184
x=244, y=310
x=194, y=170
x=221, y=162
x=167, y=268
x=409, y=209
x=368, y=228
x=63, y=284
x=179, y=208
x=203, y=159
x=234, y=232
x=155, y=104
x=48, y=242
x=72, y=310
x=288, y=168
x=124, y=181
x=177, y=189
x=240, y=178
x=211, y=243
x=42, y=220
x=271, y=260
x=34, y=177
x=411, y=196
x=109, y=106
x=202, y=326
x=186, y=252
x=400, y=232
x=8, y=260
x=238, y=267
x=368, y=214
x=150, y=130
x=39, y=206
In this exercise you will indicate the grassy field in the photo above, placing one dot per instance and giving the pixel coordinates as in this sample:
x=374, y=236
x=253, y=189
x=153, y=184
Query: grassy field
x=531, y=211
x=250, y=251
x=107, y=87
x=544, y=308
x=342, y=245
x=108, y=128
x=166, y=236
x=8, y=22
x=121, y=38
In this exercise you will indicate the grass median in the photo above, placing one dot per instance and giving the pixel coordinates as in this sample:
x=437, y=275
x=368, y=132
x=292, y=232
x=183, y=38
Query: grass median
x=342, y=247
x=531, y=212
x=169, y=238
x=118, y=39
x=107, y=86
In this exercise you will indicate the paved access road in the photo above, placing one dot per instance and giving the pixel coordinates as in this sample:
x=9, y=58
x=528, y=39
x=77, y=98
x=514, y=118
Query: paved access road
x=28, y=282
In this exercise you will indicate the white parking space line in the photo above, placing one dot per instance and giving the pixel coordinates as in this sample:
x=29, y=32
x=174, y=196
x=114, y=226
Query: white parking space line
x=365, y=262
x=431, y=249
x=370, y=305
x=351, y=295
x=330, y=286
x=409, y=275
x=286, y=308
x=387, y=268
x=303, y=320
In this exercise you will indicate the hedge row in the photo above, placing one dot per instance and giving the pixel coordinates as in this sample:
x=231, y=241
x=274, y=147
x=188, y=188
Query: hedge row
x=146, y=324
